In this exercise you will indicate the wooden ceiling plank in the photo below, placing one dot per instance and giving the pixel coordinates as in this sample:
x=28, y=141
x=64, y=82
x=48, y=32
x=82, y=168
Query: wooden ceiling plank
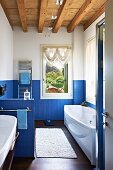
x=2, y=2
x=22, y=14
x=61, y=15
x=42, y=14
x=87, y=5
x=94, y=17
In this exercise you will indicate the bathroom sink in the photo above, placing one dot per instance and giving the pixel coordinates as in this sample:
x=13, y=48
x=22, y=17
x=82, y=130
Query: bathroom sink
x=7, y=135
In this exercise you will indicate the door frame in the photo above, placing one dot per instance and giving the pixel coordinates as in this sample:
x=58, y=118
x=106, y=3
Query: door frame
x=100, y=154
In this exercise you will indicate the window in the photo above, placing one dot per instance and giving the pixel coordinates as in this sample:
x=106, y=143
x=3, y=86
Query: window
x=91, y=71
x=56, y=72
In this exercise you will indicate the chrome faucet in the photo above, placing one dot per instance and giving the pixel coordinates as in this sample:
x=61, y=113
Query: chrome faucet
x=84, y=103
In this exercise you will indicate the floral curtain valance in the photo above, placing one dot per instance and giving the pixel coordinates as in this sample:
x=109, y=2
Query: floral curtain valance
x=60, y=54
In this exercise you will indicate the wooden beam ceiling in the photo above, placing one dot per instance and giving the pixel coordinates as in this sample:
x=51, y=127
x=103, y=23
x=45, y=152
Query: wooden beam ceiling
x=61, y=15
x=87, y=5
x=2, y=2
x=42, y=14
x=22, y=14
x=25, y=13
x=94, y=17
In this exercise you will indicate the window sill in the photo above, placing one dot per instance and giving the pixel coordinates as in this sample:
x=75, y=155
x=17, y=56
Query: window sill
x=58, y=96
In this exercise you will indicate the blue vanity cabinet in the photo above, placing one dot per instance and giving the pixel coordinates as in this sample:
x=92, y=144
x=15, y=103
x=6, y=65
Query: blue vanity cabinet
x=25, y=142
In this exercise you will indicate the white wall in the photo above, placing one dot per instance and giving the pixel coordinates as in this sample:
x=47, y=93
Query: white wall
x=6, y=48
x=27, y=46
x=78, y=53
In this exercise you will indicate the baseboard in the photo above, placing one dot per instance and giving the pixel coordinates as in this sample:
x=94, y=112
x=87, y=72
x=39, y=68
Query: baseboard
x=40, y=123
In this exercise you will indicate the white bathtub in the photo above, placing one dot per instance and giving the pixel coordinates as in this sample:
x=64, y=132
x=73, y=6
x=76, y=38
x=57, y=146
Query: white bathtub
x=81, y=122
x=7, y=135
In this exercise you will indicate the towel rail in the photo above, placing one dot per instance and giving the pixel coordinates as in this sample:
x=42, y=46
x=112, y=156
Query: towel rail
x=4, y=110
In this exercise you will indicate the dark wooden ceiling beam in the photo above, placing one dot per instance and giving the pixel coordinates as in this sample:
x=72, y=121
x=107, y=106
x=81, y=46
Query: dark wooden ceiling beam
x=87, y=5
x=42, y=14
x=61, y=15
x=22, y=14
x=94, y=17
x=2, y=2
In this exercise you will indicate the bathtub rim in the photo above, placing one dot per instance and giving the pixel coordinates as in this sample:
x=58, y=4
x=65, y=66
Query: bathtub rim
x=85, y=125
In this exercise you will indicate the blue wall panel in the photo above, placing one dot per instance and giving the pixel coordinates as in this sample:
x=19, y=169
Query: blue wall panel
x=25, y=142
x=79, y=91
x=15, y=88
x=54, y=108
x=48, y=108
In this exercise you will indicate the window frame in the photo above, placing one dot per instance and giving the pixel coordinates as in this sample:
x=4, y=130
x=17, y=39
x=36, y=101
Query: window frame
x=43, y=94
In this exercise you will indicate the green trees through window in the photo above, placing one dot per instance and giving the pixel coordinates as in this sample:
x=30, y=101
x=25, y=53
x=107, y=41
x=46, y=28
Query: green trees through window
x=56, y=79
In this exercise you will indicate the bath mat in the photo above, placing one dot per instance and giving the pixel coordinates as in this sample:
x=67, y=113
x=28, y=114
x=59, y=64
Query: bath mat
x=52, y=143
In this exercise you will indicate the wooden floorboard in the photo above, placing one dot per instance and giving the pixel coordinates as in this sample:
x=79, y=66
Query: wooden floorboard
x=81, y=163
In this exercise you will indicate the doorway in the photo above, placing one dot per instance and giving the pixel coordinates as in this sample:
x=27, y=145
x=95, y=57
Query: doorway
x=100, y=97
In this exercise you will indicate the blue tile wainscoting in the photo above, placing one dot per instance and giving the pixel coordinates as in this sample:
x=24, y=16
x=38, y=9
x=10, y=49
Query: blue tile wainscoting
x=25, y=141
x=15, y=88
x=79, y=91
x=52, y=108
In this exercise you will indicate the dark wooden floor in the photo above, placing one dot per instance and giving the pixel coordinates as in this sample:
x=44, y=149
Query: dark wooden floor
x=81, y=163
